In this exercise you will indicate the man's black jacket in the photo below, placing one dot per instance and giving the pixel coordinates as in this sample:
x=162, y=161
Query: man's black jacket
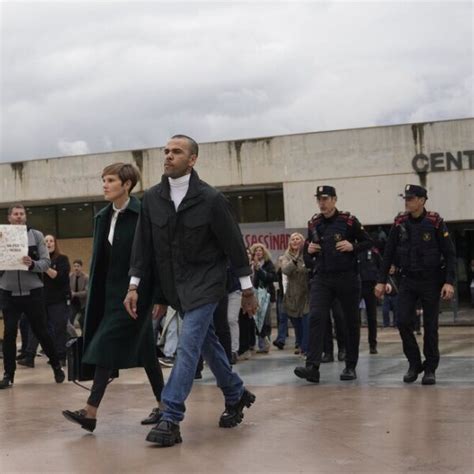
x=188, y=250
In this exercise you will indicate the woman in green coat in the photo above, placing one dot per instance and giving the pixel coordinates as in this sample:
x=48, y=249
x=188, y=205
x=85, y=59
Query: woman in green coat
x=112, y=339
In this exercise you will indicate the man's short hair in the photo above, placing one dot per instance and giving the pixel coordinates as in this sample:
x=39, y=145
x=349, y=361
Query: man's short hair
x=125, y=172
x=15, y=206
x=78, y=261
x=192, y=142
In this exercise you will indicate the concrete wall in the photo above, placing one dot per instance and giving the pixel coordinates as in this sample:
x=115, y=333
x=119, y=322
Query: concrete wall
x=369, y=168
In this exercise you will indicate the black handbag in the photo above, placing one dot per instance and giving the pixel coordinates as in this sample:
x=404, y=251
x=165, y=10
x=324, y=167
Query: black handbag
x=76, y=370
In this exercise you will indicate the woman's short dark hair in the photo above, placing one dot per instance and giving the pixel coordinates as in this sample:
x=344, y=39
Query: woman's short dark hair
x=125, y=172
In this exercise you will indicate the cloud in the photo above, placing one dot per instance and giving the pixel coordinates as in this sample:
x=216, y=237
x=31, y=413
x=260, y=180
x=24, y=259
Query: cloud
x=120, y=75
x=79, y=147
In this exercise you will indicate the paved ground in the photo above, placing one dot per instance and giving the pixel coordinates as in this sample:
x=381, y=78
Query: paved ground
x=374, y=425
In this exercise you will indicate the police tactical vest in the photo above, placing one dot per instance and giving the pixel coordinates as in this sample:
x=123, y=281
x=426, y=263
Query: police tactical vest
x=418, y=246
x=328, y=234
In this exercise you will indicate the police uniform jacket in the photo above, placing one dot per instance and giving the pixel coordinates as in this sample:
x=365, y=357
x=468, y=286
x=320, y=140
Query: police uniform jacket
x=422, y=247
x=327, y=232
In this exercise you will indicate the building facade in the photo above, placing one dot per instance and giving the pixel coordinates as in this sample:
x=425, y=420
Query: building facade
x=271, y=181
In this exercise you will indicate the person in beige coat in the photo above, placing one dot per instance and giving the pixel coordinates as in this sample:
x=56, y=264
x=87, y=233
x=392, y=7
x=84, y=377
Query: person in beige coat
x=296, y=296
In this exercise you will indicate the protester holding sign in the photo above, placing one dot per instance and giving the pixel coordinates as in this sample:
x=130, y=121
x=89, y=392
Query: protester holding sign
x=22, y=293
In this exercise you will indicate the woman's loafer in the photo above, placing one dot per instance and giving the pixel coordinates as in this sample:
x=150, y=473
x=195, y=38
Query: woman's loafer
x=153, y=418
x=79, y=417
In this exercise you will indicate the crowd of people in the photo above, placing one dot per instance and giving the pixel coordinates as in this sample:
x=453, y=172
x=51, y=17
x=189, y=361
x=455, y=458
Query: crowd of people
x=172, y=285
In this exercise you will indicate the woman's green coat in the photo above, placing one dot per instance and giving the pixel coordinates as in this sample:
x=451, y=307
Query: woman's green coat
x=112, y=338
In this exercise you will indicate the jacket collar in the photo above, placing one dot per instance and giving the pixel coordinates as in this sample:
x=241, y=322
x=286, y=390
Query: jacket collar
x=193, y=190
x=133, y=206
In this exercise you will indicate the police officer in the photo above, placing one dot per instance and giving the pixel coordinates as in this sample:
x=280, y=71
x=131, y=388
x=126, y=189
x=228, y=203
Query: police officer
x=420, y=242
x=334, y=239
x=369, y=265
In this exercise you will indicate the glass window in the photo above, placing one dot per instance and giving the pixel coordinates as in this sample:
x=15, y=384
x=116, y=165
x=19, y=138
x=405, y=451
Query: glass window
x=75, y=220
x=275, y=206
x=3, y=216
x=99, y=206
x=42, y=218
x=258, y=206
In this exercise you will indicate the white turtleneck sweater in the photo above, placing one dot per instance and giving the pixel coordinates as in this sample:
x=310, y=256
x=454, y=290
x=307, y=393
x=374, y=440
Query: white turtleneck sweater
x=113, y=222
x=178, y=189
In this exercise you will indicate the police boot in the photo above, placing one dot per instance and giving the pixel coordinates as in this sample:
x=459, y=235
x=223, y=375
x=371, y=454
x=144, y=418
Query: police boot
x=310, y=372
x=327, y=358
x=27, y=362
x=429, y=377
x=412, y=373
x=7, y=381
x=349, y=373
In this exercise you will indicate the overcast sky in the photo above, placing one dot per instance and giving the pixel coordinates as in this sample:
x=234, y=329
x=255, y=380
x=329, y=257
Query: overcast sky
x=87, y=77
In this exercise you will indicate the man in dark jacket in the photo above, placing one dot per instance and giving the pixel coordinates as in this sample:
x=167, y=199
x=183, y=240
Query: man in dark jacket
x=186, y=235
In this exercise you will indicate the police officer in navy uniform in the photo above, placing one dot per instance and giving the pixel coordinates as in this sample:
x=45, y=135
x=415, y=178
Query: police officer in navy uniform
x=334, y=240
x=419, y=240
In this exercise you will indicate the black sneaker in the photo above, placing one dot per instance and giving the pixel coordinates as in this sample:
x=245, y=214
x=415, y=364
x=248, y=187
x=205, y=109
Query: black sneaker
x=341, y=355
x=59, y=374
x=79, y=417
x=27, y=362
x=327, y=358
x=348, y=373
x=233, y=414
x=310, y=372
x=429, y=378
x=165, y=433
x=7, y=381
x=153, y=418
x=412, y=373
x=373, y=350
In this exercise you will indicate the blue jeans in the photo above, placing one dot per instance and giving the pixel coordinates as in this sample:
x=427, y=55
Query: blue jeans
x=282, y=326
x=301, y=331
x=390, y=302
x=198, y=336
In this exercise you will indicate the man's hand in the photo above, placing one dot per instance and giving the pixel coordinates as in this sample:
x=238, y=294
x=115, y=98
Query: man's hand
x=131, y=301
x=344, y=246
x=314, y=248
x=447, y=292
x=249, y=302
x=379, y=290
x=27, y=261
x=159, y=310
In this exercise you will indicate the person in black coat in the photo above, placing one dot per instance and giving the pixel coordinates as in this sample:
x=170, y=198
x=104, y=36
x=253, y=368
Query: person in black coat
x=112, y=339
x=56, y=298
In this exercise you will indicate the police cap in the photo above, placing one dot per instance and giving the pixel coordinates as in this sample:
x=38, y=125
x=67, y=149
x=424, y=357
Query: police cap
x=413, y=190
x=325, y=191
